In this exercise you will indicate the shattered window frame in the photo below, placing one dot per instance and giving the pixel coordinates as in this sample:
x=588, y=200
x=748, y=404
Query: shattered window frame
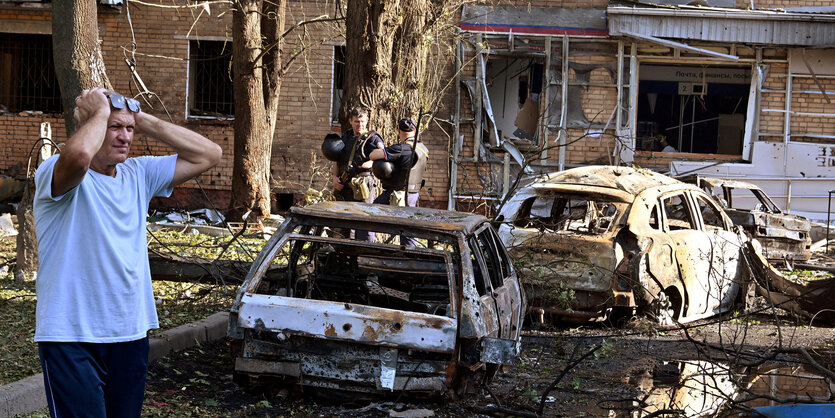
x=714, y=220
x=682, y=207
x=351, y=251
x=761, y=201
x=526, y=67
x=561, y=218
x=481, y=275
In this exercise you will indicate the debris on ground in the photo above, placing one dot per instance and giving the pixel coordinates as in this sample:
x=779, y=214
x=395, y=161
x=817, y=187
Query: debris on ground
x=7, y=228
x=812, y=300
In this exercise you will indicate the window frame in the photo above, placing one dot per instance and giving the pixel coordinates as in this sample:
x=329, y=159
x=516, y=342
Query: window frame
x=695, y=224
x=41, y=50
x=336, y=99
x=697, y=197
x=190, y=91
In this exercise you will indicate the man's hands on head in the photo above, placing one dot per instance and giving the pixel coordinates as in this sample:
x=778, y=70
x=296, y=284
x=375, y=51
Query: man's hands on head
x=92, y=111
x=91, y=102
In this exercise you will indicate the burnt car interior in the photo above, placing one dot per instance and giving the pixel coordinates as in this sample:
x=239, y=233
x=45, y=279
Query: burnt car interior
x=564, y=212
x=380, y=275
x=678, y=214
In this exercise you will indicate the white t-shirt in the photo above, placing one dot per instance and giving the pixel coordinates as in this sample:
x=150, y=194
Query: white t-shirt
x=94, y=282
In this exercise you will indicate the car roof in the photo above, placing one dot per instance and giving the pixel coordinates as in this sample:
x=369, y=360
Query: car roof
x=734, y=184
x=426, y=218
x=624, y=179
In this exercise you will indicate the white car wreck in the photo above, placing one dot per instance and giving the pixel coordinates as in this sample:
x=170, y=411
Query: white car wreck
x=321, y=310
x=601, y=242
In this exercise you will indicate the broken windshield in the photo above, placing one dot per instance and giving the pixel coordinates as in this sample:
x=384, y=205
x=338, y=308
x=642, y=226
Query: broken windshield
x=564, y=212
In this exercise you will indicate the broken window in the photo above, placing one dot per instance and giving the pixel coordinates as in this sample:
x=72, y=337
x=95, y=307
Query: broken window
x=653, y=218
x=563, y=212
x=692, y=108
x=210, y=92
x=310, y=266
x=492, y=262
x=27, y=76
x=747, y=199
x=337, y=82
x=514, y=85
x=710, y=214
x=481, y=279
x=678, y=213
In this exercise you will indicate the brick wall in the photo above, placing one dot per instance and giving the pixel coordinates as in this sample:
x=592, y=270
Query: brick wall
x=162, y=62
x=304, y=112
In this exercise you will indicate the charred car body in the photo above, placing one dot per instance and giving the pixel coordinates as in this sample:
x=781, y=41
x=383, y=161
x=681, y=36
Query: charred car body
x=601, y=241
x=332, y=312
x=783, y=236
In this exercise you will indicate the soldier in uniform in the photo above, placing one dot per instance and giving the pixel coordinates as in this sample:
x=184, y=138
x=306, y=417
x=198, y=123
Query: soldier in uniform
x=408, y=163
x=351, y=181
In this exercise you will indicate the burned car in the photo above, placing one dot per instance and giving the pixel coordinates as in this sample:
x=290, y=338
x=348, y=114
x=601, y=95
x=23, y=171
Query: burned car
x=601, y=242
x=783, y=236
x=324, y=311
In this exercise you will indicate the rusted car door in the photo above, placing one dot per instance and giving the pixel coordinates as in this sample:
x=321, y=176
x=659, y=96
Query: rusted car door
x=511, y=288
x=505, y=290
x=484, y=287
x=693, y=252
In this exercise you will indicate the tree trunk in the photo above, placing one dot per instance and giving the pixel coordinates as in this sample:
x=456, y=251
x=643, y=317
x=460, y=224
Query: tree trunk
x=76, y=52
x=385, y=60
x=271, y=34
x=26, y=265
x=78, y=66
x=410, y=57
x=257, y=83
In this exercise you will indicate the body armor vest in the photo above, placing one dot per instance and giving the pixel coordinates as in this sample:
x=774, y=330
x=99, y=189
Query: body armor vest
x=416, y=173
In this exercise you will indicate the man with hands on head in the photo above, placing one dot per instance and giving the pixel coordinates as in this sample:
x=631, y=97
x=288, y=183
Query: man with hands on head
x=95, y=301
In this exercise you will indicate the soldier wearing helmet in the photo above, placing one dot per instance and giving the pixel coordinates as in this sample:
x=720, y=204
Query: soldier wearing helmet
x=352, y=179
x=399, y=166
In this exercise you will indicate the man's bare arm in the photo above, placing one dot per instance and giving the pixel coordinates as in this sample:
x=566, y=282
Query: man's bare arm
x=195, y=153
x=91, y=114
x=377, y=154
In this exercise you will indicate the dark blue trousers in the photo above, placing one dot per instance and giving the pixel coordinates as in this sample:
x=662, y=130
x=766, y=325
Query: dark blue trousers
x=94, y=379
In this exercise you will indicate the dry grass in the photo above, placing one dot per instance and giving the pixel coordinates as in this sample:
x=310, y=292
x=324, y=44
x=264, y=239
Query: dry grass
x=177, y=302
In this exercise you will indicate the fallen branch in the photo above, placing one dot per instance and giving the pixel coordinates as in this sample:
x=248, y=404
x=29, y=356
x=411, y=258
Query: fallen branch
x=562, y=374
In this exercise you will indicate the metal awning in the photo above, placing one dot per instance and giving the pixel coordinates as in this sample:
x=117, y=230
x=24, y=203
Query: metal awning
x=534, y=20
x=763, y=27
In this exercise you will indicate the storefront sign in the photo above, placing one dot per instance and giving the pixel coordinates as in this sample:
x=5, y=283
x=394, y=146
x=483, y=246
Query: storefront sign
x=696, y=74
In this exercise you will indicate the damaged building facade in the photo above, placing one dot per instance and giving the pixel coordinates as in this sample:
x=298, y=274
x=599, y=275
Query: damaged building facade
x=729, y=88
x=737, y=88
x=182, y=56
